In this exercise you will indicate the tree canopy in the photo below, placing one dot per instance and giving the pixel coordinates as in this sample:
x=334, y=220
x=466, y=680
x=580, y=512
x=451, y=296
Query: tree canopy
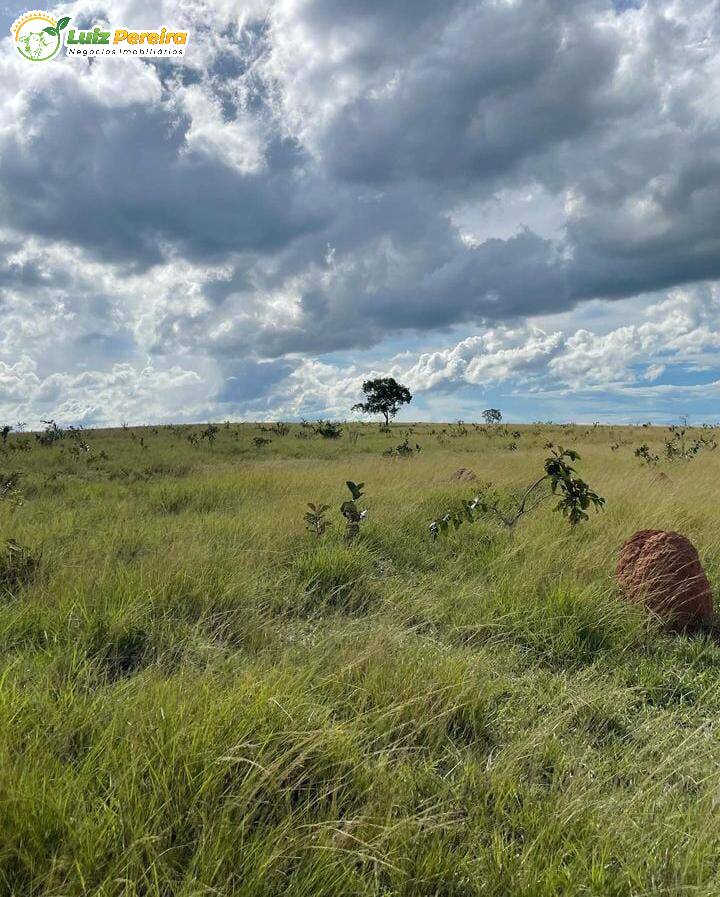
x=384, y=396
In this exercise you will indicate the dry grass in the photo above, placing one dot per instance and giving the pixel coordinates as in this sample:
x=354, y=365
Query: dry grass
x=200, y=697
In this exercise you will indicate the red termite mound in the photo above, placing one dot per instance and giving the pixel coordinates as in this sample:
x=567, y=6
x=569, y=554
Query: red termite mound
x=463, y=475
x=663, y=570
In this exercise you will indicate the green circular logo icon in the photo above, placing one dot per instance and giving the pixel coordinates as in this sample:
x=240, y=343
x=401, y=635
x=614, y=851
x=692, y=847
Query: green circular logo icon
x=37, y=35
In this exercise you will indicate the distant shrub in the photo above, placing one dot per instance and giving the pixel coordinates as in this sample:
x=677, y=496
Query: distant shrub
x=327, y=429
x=79, y=446
x=645, y=455
x=680, y=448
x=457, y=430
x=404, y=450
x=51, y=434
x=210, y=433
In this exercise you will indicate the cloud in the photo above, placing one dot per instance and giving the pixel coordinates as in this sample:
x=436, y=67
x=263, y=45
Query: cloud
x=325, y=177
x=94, y=398
x=566, y=373
x=678, y=329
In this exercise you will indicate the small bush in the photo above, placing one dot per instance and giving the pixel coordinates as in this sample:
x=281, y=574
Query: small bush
x=209, y=433
x=327, y=429
x=315, y=519
x=279, y=429
x=351, y=512
x=51, y=434
x=576, y=497
x=404, y=450
x=644, y=454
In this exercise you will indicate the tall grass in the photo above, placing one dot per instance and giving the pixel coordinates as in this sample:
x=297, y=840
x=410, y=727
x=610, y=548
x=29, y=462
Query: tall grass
x=200, y=697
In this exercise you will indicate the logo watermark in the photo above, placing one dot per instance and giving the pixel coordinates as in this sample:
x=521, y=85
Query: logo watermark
x=39, y=37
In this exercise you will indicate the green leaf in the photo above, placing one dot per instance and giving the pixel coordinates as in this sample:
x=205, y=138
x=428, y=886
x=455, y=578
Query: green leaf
x=62, y=23
x=349, y=510
x=51, y=30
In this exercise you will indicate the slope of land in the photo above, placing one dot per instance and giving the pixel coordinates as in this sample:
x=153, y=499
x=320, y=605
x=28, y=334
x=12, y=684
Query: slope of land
x=201, y=697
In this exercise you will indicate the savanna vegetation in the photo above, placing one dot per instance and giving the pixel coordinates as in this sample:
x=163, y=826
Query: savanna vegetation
x=235, y=661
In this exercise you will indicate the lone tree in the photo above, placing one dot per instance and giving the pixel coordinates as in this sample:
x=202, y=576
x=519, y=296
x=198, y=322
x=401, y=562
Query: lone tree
x=384, y=396
x=492, y=415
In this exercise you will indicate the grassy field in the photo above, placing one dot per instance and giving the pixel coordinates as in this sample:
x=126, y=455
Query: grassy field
x=200, y=697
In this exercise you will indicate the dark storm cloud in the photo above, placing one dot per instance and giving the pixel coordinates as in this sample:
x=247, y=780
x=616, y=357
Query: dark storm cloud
x=501, y=279
x=118, y=184
x=494, y=85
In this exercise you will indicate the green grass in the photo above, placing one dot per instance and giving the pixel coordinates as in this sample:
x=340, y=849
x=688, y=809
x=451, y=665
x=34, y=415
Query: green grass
x=200, y=697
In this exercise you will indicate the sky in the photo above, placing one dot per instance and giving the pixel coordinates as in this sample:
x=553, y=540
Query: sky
x=501, y=203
